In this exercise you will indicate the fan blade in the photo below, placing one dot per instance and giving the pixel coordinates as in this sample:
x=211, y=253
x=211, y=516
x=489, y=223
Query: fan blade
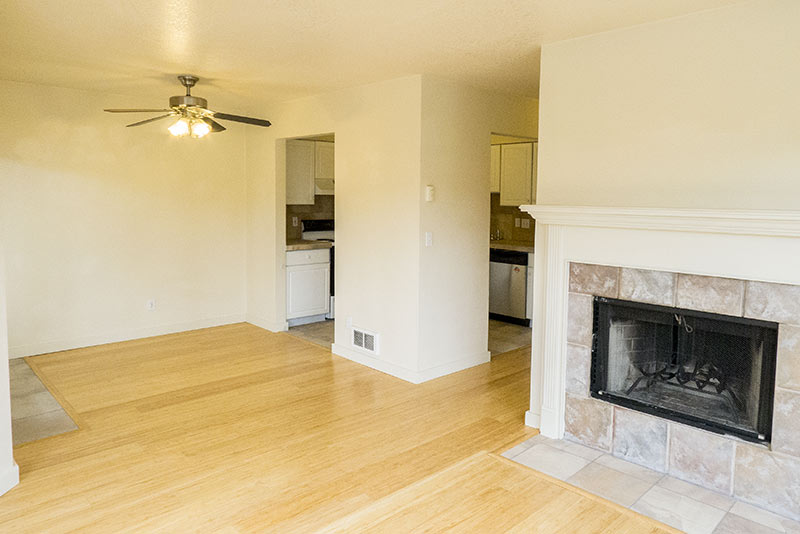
x=239, y=118
x=135, y=110
x=215, y=126
x=151, y=120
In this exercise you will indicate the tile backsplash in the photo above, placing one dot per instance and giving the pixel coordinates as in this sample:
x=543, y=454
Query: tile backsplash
x=321, y=209
x=502, y=219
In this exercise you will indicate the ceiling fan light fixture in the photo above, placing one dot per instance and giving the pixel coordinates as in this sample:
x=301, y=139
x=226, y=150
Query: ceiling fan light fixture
x=200, y=129
x=180, y=128
x=194, y=117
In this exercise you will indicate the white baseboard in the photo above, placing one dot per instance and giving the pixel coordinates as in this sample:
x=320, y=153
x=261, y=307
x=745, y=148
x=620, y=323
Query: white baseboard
x=20, y=351
x=415, y=377
x=532, y=419
x=375, y=363
x=9, y=478
x=272, y=326
x=454, y=366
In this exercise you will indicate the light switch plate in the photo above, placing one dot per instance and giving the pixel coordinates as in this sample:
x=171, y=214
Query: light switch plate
x=526, y=223
x=516, y=222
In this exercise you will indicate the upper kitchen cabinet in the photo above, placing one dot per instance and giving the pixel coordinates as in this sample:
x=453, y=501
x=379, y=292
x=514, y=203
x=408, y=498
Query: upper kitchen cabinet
x=324, y=168
x=518, y=174
x=494, y=182
x=300, y=171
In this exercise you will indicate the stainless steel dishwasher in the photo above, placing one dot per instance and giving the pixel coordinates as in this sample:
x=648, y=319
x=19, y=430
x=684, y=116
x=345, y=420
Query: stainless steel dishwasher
x=508, y=284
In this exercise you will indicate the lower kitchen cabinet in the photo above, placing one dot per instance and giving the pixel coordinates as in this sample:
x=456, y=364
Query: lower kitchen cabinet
x=308, y=290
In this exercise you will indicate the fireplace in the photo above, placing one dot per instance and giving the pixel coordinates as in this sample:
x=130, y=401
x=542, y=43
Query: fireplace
x=712, y=371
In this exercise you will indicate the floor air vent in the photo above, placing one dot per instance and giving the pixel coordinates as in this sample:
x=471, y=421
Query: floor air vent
x=366, y=341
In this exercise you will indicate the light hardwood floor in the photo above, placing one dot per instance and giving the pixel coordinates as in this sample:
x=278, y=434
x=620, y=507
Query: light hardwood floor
x=235, y=429
x=486, y=493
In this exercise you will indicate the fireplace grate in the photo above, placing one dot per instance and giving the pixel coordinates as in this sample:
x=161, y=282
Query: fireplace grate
x=711, y=371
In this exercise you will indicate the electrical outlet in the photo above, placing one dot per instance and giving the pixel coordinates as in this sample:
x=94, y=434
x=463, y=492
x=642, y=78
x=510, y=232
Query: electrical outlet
x=526, y=223
x=516, y=222
x=428, y=239
x=294, y=221
x=349, y=322
x=151, y=305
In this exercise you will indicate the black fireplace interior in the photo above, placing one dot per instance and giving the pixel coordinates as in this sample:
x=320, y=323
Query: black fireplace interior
x=712, y=371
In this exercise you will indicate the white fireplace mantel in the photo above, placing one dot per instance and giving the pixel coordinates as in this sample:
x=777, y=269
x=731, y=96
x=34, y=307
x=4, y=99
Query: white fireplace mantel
x=742, y=244
x=744, y=222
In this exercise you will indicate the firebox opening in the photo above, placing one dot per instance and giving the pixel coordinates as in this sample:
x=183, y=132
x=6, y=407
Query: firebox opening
x=711, y=371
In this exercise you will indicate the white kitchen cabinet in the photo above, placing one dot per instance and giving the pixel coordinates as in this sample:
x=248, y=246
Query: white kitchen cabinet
x=517, y=176
x=308, y=278
x=494, y=182
x=307, y=290
x=325, y=160
x=324, y=168
x=300, y=171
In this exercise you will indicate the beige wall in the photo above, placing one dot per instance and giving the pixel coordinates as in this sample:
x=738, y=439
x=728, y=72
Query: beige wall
x=429, y=305
x=696, y=111
x=457, y=123
x=9, y=473
x=100, y=218
x=377, y=131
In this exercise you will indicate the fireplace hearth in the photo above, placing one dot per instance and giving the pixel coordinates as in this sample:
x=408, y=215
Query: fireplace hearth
x=712, y=371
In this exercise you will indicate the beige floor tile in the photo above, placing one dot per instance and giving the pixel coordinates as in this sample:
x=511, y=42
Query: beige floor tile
x=717, y=500
x=587, y=453
x=765, y=518
x=681, y=512
x=516, y=451
x=321, y=333
x=629, y=468
x=504, y=337
x=35, y=413
x=551, y=461
x=734, y=524
x=25, y=383
x=33, y=404
x=41, y=426
x=610, y=484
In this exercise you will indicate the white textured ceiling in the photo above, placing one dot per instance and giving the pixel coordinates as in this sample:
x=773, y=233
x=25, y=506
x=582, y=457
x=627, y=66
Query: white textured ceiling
x=265, y=50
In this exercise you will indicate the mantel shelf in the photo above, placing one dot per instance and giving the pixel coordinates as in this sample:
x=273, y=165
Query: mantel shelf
x=741, y=222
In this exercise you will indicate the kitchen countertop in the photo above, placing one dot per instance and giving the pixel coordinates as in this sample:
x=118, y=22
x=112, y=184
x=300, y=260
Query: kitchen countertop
x=516, y=248
x=302, y=244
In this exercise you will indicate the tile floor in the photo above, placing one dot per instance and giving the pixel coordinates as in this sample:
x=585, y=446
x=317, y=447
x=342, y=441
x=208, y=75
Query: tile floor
x=503, y=337
x=35, y=413
x=680, y=504
x=320, y=333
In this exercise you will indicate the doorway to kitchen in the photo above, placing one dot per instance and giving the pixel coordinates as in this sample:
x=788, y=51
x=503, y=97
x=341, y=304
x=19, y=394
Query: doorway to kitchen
x=511, y=241
x=310, y=238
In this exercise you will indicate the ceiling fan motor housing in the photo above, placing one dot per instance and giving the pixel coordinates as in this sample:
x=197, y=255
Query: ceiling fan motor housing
x=187, y=101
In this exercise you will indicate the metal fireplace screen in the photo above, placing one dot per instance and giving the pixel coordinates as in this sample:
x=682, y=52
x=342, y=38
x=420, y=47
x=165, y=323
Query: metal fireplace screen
x=712, y=371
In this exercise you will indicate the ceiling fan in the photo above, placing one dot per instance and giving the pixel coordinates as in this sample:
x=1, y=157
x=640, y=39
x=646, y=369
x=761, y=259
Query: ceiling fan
x=194, y=117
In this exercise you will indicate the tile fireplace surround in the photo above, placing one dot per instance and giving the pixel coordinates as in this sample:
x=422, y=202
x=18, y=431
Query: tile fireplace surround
x=738, y=263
